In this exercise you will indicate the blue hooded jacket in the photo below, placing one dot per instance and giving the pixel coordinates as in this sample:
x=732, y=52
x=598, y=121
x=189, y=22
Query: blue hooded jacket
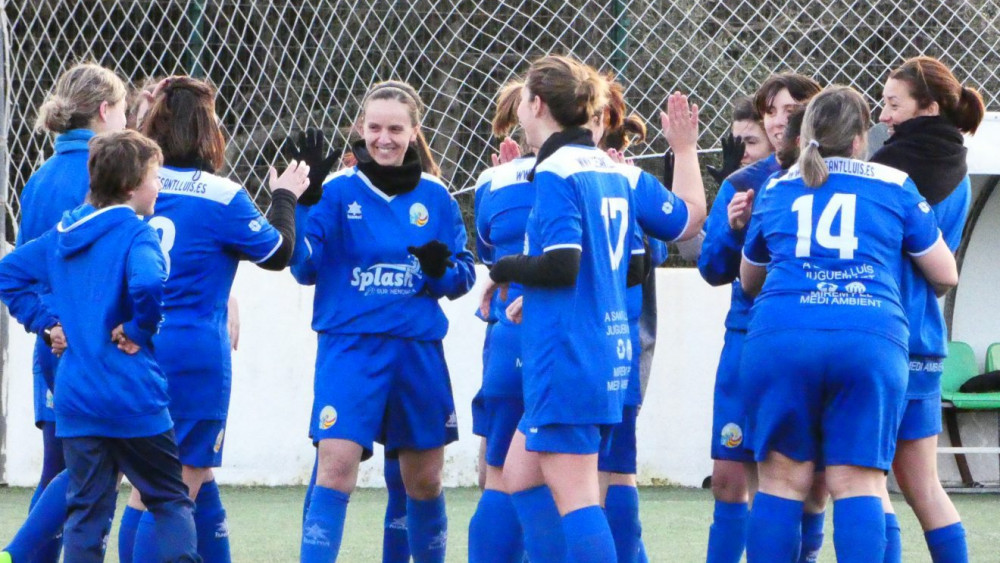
x=104, y=268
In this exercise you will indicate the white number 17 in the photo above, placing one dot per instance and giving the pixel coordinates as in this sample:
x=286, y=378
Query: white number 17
x=612, y=208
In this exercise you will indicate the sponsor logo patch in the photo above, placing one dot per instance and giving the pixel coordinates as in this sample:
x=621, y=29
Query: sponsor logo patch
x=732, y=435
x=327, y=417
x=419, y=215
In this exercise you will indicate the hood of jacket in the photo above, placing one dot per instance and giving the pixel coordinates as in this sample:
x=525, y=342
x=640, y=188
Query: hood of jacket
x=74, y=140
x=80, y=228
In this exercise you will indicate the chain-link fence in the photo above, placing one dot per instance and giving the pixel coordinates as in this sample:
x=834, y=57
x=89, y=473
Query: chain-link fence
x=280, y=66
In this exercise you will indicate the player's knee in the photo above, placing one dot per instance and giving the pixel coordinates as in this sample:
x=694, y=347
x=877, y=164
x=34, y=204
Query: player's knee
x=729, y=486
x=847, y=481
x=423, y=484
x=337, y=474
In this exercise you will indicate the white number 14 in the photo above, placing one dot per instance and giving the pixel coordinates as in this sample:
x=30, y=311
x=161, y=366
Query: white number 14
x=845, y=242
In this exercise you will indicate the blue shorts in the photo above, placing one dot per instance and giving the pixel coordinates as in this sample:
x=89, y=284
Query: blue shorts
x=580, y=439
x=502, y=415
x=834, y=396
x=375, y=388
x=200, y=442
x=502, y=364
x=620, y=454
x=729, y=408
x=922, y=417
x=43, y=371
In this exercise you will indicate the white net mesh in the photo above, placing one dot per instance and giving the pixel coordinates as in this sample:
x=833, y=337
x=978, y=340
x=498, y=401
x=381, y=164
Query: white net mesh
x=280, y=66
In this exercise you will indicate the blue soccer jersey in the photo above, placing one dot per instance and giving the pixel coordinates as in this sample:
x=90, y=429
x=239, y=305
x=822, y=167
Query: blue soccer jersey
x=504, y=197
x=206, y=224
x=834, y=253
x=353, y=247
x=719, y=262
x=576, y=345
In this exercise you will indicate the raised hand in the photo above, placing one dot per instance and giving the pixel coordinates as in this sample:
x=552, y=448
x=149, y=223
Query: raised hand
x=680, y=123
x=739, y=210
x=309, y=146
x=295, y=179
x=509, y=150
x=732, y=155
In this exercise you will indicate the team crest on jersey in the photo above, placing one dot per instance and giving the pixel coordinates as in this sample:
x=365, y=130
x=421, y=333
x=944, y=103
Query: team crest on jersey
x=419, y=215
x=354, y=210
x=732, y=435
x=218, y=441
x=327, y=417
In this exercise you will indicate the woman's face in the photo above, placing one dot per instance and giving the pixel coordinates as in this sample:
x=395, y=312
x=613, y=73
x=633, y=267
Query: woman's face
x=527, y=115
x=597, y=127
x=776, y=116
x=754, y=140
x=111, y=117
x=388, y=131
x=899, y=106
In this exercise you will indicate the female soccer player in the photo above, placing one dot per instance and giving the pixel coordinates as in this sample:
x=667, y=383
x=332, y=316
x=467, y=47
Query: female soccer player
x=666, y=216
x=87, y=100
x=829, y=238
x=732, y=477
x=503, y=200
x=377, y=246
x=927, y=110
x=207, y=224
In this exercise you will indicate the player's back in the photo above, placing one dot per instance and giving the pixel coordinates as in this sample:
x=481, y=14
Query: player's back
x=835, y=251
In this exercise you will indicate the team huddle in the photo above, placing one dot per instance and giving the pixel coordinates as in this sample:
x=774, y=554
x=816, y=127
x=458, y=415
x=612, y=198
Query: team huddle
x=130, y=240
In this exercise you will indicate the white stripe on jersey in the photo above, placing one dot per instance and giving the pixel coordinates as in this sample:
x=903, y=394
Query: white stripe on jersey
x=573, y=159
x=852, y=167
x=275, y=249
x=198, y=183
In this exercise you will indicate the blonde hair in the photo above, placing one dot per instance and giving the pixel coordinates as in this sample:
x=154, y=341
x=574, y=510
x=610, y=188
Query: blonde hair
x=77, y=97
x=573, y=91
x=405, y=94
x=508, y=98
x=833, y=119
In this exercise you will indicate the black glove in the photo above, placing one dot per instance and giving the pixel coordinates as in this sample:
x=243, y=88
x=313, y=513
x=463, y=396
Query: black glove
x=309, y=148
x=433, y=257
x=732, y=153
x=668, y=169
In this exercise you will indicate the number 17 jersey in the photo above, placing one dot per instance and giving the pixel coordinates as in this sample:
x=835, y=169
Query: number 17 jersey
x=834, y=252
x=576, y=346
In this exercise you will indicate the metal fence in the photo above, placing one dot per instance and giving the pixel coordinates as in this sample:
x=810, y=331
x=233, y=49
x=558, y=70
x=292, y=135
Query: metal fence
x=280, y=66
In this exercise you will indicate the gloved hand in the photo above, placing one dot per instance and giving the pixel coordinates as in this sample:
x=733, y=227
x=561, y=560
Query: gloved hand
x=433, y=257
x=732, y=153
x=309, y=147
x=668, y=169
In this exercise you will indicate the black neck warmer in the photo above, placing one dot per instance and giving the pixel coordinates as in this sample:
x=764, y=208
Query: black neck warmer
x=571, y=136
x=930, y=150
x=390, y=180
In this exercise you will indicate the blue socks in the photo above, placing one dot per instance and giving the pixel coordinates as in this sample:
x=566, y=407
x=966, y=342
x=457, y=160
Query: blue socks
x=588, y=536
x=395, y=541
x=774, y=529
x=947, y=545
x=44, y=523
x=621, y=505
x=494, y=532
x=144, y=548
x=164, y=536
x=541, y=525
x=893, y=539
x=859, y=529
x=324, y=525
x=126, y=533
x=728, y=534
x=210, y=523
x=812, y=536
x=428, y=529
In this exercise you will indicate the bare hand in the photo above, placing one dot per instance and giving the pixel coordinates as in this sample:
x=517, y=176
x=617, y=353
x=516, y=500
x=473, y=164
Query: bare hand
x=509, y=150
x=348, y=160
x=515, y=310
x=58, y=339
x=124, y=343
x=295, y=178
x=486, y=299
x=233, y=323
x=680, y=123
x=739, y=210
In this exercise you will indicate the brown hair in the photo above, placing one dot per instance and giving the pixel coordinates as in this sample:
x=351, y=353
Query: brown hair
x=744, y=110
x=573, y=91
x=620, y=130
x=802, y=89
x=136, y=94
x=929, y=81
x=405, y=94
x=788, y=153
x=77, y=97
x=118, y=164
x=832, y=120
x=182, y=121
x=508, y=98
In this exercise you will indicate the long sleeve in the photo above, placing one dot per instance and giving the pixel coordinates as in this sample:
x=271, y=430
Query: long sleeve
x=458, y=279
x=21, y=272
x=147, y=275
x=721, y=251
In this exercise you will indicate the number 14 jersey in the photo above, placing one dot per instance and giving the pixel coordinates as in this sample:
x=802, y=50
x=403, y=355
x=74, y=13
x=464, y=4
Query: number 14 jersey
x=834, y=253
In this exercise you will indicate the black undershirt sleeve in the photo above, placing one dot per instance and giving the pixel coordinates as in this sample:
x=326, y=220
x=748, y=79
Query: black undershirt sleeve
x=556, y=268
x=638, y=267
x=282, y=217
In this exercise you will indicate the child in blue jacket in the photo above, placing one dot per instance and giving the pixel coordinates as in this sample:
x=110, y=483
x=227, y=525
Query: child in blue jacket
x=106, y=272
